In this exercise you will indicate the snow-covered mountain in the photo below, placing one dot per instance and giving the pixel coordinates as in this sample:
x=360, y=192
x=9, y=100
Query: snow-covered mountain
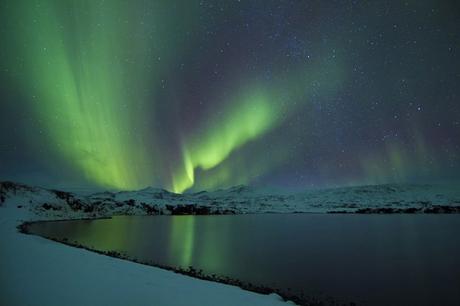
x=390, y=198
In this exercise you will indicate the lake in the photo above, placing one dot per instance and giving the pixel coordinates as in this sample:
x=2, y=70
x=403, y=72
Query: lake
x=365, y=259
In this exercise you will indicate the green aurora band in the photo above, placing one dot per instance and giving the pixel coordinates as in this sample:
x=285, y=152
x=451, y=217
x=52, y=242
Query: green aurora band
x=91, y=87
x=77, y=71
x=251, y=116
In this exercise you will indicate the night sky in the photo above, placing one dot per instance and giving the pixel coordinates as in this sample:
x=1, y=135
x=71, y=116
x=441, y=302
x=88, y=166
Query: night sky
x=193, y=95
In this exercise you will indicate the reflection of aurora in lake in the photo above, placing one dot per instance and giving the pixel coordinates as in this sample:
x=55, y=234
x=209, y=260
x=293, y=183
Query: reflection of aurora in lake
x=376, y=260
x=182, y=240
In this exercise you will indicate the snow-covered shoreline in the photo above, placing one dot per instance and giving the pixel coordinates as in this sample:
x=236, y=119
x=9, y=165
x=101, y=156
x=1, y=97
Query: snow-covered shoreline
x=25, y=228
x=38, y=271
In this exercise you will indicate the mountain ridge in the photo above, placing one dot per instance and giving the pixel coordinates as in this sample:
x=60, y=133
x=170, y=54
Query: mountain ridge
x=240, y=199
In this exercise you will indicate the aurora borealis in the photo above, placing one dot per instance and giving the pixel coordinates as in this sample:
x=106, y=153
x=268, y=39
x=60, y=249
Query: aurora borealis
x=193, y=95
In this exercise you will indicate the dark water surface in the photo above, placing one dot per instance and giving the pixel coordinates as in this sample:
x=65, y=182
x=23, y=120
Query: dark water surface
x=367, y=259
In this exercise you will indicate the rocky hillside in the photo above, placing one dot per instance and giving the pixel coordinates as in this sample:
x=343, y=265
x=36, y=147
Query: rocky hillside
x=236, y=200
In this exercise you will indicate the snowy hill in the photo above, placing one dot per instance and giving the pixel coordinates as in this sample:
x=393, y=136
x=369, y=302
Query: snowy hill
x=235, y=200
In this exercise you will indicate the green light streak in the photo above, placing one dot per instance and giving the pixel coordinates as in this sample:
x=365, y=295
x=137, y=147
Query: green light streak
x=76, y=58
x=252, y=113
x=182, y=239
x=250, y=116
x=93, y=69
x=397, y=163
x=238, y=169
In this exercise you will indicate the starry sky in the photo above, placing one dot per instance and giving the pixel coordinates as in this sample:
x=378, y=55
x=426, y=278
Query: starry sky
x=199, y=95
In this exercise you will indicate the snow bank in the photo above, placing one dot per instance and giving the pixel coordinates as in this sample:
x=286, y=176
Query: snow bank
x=54, y=204
x=37, y=271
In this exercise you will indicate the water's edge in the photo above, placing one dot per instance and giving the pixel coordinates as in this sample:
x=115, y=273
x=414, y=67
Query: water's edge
x=301, y=300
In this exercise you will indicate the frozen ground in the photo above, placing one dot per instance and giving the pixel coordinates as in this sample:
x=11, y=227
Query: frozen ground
x=37, y=271
x=240, y=199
